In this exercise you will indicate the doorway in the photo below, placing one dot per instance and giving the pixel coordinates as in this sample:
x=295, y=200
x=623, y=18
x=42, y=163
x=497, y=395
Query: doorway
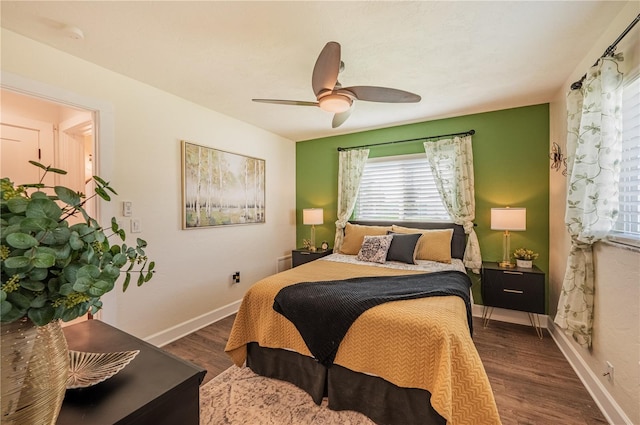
x=53, y=134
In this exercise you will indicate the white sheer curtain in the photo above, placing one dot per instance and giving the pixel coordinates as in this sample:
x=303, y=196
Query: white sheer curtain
x=594, y=127
x=458, y=193
x=350, y=166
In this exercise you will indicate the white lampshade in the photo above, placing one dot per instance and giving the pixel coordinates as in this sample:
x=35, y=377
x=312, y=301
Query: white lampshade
x=312, y=216
x=508, y=219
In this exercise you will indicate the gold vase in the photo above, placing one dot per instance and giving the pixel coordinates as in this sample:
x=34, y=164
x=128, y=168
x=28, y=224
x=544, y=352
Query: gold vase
x=35, y=369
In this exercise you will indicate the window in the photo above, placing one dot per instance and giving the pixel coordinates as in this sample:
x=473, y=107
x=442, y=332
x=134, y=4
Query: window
x=627, y=228
x=399, y=188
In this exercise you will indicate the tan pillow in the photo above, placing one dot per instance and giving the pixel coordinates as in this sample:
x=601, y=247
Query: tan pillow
x=434, y=244
x=354, y=236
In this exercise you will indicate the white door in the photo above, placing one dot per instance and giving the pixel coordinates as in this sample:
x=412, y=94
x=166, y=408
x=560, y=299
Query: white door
x=22, y=141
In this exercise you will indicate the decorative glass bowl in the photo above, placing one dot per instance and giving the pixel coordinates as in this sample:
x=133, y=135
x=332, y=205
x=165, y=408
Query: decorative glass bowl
x=87, y=369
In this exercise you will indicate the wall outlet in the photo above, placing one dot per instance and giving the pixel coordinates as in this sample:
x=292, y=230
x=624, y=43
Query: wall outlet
x=136, y=225
x=236, y=277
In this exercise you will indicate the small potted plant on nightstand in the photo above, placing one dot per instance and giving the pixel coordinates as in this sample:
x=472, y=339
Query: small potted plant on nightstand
x=524, y=257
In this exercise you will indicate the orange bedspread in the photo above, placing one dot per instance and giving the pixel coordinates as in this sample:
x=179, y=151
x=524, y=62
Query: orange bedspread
x=422, y=343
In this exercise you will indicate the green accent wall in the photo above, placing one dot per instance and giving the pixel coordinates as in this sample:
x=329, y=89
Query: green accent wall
x=511, y=168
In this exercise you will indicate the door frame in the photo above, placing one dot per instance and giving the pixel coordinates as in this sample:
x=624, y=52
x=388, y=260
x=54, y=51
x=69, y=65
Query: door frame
x=104, y=148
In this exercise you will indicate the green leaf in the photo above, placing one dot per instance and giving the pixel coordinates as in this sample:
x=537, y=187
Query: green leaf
x=12, y=314
x=38, y=224
x=21, y=240
x=5, y=307
x=62, y=251
x=38, y=274
x=44, y=260
x=141, y=243
x=110, y=272
x=119, y=260
x=127, y=279
x=100, y=180
x=37, y=164
x=19, y=300
x=67, y=195
x=56, y=170
x=140, y=279
x=39, y=301
x=103, y=194
x=32, y=285
x=16, y=262
x=99, y=288
x=17, y=205
x=88, y=271
x=66, y=289
x=82, y=284
x=75, y=242
x=41, y=208
x=41, y=316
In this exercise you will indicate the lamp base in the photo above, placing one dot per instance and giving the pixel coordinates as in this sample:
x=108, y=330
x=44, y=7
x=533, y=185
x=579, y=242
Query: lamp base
x=506, y=264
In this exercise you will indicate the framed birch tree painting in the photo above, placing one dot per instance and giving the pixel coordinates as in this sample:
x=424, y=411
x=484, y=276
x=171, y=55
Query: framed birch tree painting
x=221, y=188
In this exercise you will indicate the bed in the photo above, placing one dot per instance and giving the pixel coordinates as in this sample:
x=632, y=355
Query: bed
x=410, y=361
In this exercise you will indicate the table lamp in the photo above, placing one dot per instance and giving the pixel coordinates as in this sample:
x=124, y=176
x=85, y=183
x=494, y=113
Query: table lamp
x=312, y=216
x=508, y=219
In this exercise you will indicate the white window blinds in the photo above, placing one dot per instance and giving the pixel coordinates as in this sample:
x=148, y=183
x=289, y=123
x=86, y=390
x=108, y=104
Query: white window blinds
x=628, y=224
x=399, y=188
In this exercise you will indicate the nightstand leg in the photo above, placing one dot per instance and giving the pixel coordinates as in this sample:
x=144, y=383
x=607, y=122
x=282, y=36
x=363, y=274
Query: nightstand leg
x=486, y=315
x=535, y=322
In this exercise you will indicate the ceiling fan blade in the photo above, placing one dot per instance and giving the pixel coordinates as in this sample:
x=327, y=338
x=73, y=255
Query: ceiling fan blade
x=325, y=71
x=287, y=102
x=382, y=94
x=339, y=119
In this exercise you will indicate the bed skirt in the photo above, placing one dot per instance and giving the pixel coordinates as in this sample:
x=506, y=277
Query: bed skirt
x=380, y=400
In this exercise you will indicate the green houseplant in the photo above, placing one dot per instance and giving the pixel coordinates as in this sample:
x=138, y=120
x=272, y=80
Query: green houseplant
x=53, y=268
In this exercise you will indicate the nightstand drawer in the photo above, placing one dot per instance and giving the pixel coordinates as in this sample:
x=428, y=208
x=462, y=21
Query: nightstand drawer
x=514, y=289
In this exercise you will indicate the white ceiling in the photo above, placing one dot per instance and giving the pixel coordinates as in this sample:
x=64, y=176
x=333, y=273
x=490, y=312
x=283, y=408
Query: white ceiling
x=461, y=57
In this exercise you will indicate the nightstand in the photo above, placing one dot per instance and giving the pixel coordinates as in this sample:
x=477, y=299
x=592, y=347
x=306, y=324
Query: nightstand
x=301, y=256
x=515, y=289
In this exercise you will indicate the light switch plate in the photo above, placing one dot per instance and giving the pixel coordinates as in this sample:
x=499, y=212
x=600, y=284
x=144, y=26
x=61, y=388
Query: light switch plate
x=127, y=207
x=136, y=226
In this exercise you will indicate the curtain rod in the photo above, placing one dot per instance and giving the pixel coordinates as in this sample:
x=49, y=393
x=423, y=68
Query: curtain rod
x=464, y=133
x=608, y=52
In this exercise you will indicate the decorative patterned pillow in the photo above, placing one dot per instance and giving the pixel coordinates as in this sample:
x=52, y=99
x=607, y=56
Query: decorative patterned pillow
x=403, y=247
x=374, y=248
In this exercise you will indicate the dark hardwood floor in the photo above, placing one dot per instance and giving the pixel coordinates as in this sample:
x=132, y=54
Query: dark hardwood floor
x=531, y=380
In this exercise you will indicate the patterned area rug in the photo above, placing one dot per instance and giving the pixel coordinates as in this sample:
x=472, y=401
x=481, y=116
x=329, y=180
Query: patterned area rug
x=239, y=396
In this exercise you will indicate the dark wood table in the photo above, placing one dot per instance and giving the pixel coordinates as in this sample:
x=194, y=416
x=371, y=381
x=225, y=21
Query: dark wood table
x=156, y=388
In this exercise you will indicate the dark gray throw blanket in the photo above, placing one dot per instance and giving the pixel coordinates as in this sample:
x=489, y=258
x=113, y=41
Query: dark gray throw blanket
x=323, y=311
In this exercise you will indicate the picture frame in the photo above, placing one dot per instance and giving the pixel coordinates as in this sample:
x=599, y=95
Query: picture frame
x=221, y=188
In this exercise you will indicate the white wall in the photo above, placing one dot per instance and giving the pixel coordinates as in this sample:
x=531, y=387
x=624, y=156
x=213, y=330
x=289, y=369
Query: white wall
x=616, y=335
x=140, y=155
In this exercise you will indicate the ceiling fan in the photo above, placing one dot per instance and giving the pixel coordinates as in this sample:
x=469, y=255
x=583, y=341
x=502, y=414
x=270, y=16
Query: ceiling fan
x=332, y=97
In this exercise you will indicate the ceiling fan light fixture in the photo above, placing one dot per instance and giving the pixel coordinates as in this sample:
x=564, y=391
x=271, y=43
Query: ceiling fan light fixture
x=335, y=103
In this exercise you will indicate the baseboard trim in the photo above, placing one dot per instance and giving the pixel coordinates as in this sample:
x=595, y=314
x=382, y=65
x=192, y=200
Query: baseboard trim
x=611, y=410
x=183, y=329
x=510, y=316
